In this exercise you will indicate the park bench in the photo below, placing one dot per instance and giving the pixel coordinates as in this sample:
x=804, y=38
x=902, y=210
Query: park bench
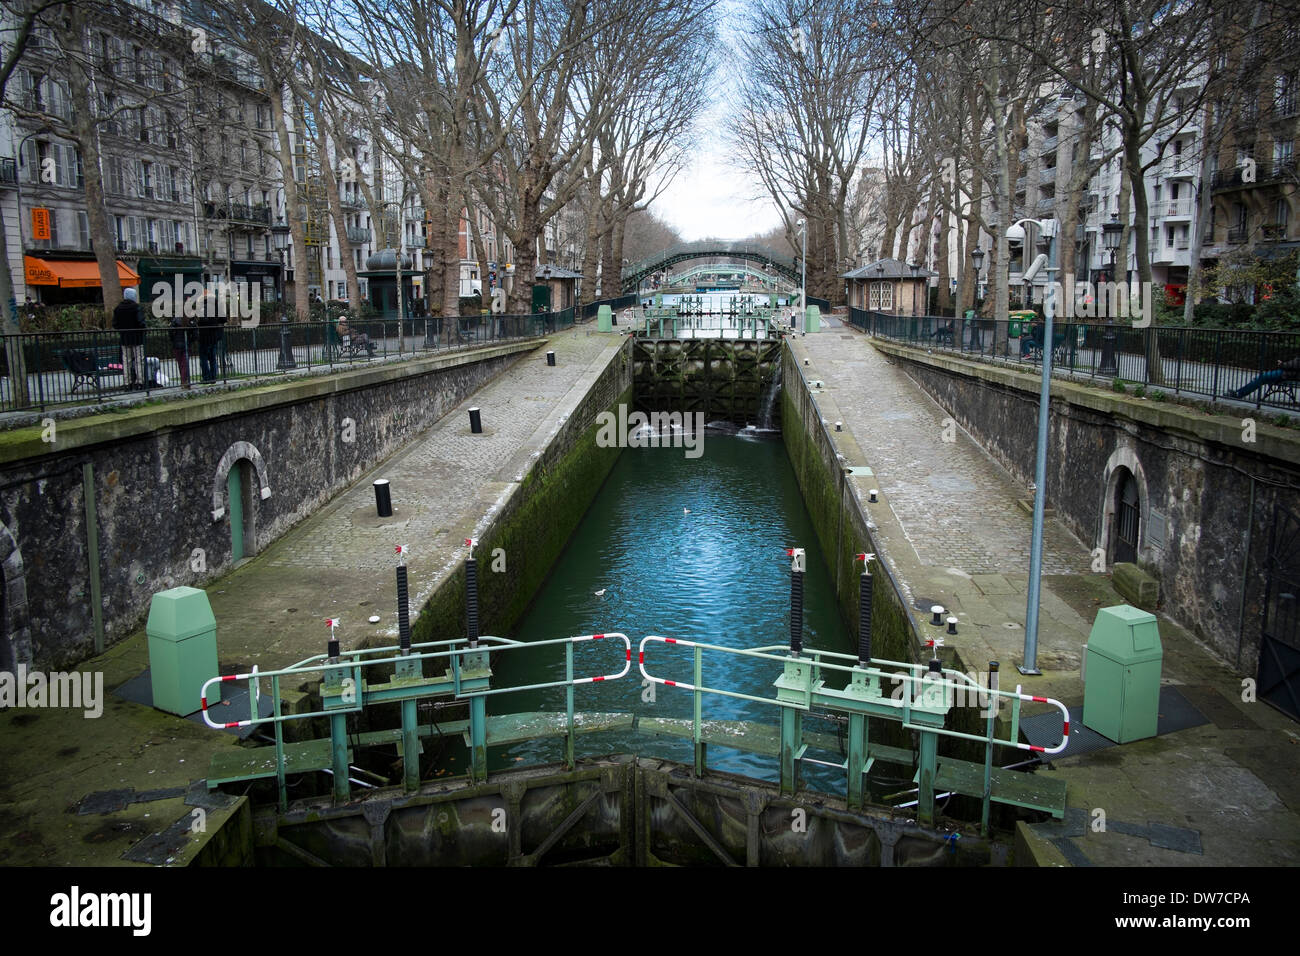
x=91, y=364
x=1284, y=388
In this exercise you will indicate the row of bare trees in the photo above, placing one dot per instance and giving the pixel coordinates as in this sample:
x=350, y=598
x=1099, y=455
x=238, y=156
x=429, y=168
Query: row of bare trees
x=424, y=109
x=893, y=128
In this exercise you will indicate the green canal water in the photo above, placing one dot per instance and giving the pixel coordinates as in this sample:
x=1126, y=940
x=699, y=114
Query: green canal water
x=685, y=548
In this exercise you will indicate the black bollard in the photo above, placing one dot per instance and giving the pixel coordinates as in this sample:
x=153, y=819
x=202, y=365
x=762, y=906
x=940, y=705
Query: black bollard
x=383, y=498
x=550, y=358
x=332, y=648
x=475, y=423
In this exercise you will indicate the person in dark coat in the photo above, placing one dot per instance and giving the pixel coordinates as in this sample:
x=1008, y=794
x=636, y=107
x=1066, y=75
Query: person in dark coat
x=129, y=323
x=180, y=336
x=211, y=328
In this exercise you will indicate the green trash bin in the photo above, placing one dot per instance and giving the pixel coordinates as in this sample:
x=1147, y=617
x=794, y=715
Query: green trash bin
x=1017, y=321
x=813, y=319
x=182, y=635
x=1121, y=692
x=604, y=319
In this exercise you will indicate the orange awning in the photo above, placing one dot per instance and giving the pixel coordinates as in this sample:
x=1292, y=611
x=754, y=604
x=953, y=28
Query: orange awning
x=67, y=274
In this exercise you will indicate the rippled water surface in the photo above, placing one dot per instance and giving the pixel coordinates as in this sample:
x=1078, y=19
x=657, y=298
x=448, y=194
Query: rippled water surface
x=685, y=548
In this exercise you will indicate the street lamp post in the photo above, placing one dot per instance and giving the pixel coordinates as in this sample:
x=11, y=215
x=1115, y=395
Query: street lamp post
x=1110, y=236
x=280, y=238
x=803, y=270
x=977, y=258
x=1047, y=232
x=916, y=275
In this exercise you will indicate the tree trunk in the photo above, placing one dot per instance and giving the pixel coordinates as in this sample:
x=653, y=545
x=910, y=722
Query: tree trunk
x=86, y=131
x=17, y=361
x=292, y=200
x=340, y=224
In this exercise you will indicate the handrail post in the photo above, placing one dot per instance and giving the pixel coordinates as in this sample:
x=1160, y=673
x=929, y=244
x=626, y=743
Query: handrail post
x=279, y=745
x=568, y=703
x=698, y=680
x=990, y=711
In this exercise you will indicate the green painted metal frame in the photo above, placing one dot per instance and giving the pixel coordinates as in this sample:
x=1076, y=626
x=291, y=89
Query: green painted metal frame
x=923, y=707
x=344, y=691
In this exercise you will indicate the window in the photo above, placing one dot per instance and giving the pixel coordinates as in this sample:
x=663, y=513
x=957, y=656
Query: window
x=1283, y=153
x=1284, y=96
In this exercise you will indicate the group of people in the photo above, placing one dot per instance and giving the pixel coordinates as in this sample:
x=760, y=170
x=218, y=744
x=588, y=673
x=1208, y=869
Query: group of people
x=129, y=323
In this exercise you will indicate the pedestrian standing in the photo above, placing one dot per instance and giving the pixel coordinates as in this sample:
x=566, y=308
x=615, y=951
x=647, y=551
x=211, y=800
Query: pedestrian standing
x=180, y=335
x=127, y=321
x=210, y=329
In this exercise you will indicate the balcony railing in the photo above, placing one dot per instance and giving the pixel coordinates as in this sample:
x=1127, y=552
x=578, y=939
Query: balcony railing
x=1047, y=175
x=1264, y=173
x=1049, y=145
x=1174, y=208
x=1237, y=234
x=358, y=236
x=1044, y=205
x=238, y=212
x=1273, y=231
x=1183, y=244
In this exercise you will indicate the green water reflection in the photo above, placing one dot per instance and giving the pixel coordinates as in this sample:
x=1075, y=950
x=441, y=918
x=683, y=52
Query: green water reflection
x=685, y=548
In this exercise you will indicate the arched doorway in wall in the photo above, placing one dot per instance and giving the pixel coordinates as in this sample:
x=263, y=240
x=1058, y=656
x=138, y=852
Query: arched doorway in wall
x=243, y=530
x=1128, y=518
x=239, y=484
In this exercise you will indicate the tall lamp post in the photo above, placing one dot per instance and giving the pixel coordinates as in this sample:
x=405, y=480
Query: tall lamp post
x=280, y=239
x=977, y=259
x=1047, y=231
x=1110, y=236
x=803, y=270
x=916, y=275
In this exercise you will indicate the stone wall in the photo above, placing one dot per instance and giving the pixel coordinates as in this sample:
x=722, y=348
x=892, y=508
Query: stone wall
x=1212, y=488
x=157, y=476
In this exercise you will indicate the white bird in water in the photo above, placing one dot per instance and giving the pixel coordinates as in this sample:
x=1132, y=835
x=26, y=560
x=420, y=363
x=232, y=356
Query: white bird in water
x=686, y=511
x=601, y=592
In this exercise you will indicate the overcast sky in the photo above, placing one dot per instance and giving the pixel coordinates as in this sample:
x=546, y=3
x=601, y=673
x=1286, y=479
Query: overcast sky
x=710, y=198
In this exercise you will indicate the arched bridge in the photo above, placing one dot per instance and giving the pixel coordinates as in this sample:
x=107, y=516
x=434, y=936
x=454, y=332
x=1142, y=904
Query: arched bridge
x=776, y=262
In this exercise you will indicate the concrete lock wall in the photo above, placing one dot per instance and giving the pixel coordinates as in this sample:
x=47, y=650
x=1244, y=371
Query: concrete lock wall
x=1211, y=488
x=158, y=477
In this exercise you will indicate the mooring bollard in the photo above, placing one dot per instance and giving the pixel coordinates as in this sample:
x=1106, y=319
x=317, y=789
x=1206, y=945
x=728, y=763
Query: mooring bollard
x=475, y=423
x=550, y=358
x=952, y=625
x=872, y=495
x=937, y=611
x=383, y=498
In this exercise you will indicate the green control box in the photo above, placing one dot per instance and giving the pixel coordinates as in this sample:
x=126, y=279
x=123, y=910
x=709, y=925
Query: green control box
x=1121, y=696
x=604, y=319
x=182, y=636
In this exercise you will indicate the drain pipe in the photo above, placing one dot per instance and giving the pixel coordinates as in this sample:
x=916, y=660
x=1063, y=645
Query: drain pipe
x=1245, y=565
x=864, y=610
x=797, y=564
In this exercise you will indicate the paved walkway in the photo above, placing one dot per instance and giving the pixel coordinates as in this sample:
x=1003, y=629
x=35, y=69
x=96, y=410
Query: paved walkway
x=949, y=524
x=340, y=562
x=271, y=611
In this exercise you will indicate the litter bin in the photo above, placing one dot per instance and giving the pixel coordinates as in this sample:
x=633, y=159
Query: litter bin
x=1121, y=697
x=182, y=650
x=813, y=319
x=604, y=319
x=1018, y=320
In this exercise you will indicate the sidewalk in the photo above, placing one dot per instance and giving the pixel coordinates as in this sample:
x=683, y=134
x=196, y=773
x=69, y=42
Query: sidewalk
x=949, y=523
x=271, y=611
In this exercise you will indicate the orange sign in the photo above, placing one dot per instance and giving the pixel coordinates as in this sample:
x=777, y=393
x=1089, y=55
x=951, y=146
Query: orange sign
x=40, y=223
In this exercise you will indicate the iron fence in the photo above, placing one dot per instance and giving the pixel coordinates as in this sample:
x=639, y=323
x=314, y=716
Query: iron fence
x=64, y=368
x=1213, y=363
x=618, y=302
